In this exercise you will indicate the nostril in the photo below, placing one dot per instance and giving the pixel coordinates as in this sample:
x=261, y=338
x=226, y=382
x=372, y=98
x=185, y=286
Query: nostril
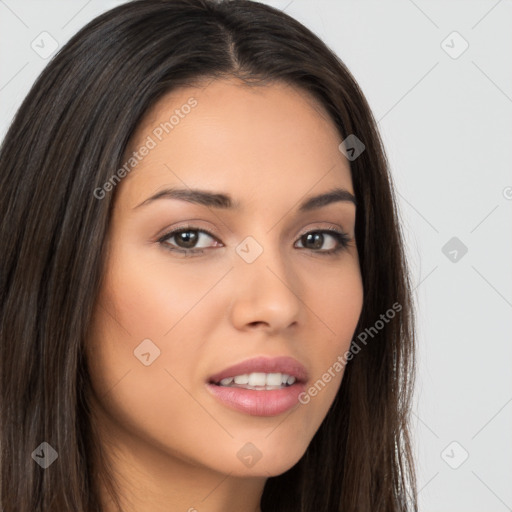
x=256, y=323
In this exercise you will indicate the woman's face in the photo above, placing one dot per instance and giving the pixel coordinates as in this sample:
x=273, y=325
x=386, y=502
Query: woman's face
x=240, y=282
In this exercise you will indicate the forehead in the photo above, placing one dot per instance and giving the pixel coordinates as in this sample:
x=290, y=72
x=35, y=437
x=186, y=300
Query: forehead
x=269, y=139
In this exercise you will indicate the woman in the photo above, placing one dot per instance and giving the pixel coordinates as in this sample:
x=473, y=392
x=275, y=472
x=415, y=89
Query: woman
x=205, y=300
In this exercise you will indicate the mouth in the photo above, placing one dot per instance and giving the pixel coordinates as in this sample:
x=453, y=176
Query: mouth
x=258, y=381
x=260, y=386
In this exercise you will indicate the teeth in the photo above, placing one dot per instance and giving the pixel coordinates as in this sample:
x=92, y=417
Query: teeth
x=259, y=380
x=274, y=379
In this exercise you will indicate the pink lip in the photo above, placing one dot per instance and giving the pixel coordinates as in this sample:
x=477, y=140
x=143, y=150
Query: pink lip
x=283, y=364
x=256, y=402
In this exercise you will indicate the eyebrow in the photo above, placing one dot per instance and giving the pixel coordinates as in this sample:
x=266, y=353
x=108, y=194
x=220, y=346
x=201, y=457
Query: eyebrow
x=224, y=201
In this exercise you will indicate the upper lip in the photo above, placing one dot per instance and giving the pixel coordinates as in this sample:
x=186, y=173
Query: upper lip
x=282, y=364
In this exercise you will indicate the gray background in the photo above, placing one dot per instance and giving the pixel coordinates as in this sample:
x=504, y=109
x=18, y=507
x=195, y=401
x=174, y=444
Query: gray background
x=446, y=122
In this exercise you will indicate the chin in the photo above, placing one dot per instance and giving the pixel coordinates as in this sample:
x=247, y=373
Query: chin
x=264, y=459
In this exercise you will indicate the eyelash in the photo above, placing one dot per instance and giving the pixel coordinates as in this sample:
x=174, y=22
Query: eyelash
x=341, y=237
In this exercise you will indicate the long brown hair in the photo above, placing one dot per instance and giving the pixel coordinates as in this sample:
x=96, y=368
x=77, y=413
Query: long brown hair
x=67, y=139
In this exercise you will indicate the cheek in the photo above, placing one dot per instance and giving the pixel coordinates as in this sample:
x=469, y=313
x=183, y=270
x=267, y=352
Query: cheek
x=150, y=311
x=141, y=307
x=345, y=310
x=336, y=310
x=337, y=306
x=150, y=293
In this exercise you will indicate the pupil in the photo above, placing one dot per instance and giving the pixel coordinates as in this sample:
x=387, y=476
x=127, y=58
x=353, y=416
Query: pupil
x=317, y=239
x=188, y=240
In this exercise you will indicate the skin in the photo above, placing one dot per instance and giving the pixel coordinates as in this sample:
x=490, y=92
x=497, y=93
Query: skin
x=173, y=445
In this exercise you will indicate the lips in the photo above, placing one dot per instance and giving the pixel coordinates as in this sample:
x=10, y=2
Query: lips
x=260, y=402
x=284, y=364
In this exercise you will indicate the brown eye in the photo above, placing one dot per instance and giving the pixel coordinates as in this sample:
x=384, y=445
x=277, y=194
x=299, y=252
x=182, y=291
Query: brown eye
x=186, y=239
x=314, y=240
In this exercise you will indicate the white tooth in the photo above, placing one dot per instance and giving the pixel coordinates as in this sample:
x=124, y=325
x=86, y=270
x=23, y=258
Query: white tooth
x=257, y=379
x=274, y=379
x=242, y=379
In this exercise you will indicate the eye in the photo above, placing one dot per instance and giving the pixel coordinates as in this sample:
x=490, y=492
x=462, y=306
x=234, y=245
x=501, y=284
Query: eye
x=315, y=239
x=187, y=238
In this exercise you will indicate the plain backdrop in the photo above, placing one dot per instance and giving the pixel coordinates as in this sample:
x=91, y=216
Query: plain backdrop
x=438, y=77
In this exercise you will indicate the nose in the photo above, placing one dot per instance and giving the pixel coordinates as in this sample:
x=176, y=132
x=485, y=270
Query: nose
x=265, y=293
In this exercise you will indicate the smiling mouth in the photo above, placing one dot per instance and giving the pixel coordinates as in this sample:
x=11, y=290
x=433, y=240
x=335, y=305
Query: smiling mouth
x=258, y=381
x=250, y=396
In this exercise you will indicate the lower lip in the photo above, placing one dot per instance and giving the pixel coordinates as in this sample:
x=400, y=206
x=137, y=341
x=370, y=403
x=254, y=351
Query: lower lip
x=258, y=403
